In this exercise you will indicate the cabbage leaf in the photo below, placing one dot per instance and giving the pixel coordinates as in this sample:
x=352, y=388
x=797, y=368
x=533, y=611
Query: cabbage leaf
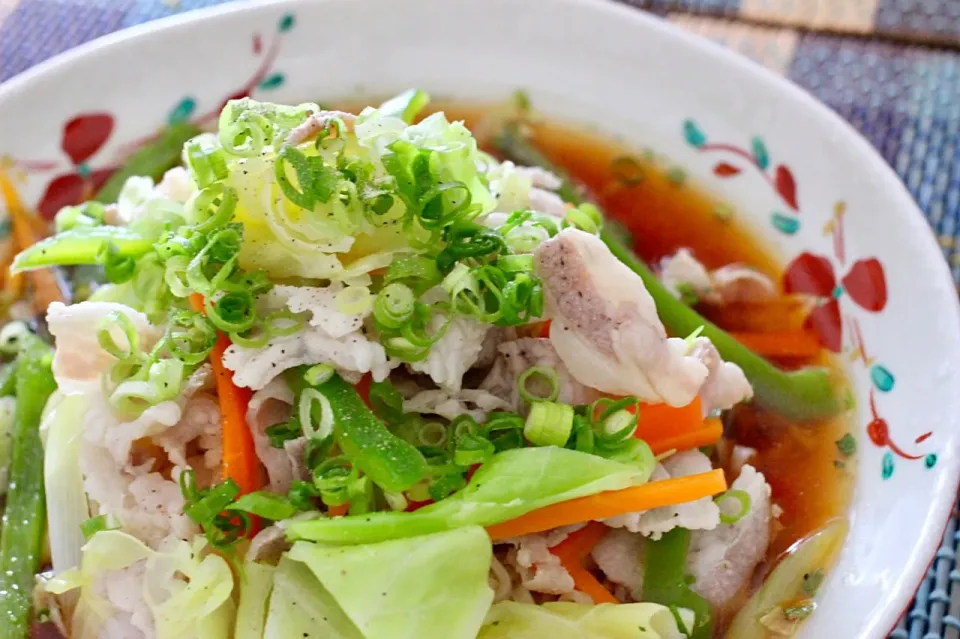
x=430, y=586
x=186, y=589
x=562, y=620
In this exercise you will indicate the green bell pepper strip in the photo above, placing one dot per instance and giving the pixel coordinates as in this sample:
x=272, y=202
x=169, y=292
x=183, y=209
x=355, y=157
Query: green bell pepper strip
x=805, y=394
x=390, y=462
x=82, y=246
x=154, y=159
x=665, y=580
x=21, y=538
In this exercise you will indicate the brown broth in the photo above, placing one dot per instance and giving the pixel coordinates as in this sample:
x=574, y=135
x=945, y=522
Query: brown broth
x=665, y=212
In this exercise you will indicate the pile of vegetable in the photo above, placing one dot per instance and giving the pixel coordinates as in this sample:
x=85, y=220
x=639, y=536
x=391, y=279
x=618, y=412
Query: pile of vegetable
x=390, y=531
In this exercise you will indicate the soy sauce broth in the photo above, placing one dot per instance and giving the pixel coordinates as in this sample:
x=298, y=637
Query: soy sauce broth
x=664, y=210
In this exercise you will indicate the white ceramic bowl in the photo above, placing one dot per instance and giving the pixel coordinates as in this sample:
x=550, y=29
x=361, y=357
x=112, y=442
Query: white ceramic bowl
x=894, y=312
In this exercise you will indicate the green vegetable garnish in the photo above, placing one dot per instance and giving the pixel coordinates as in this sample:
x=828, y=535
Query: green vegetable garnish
x=83, y=245
x=847, y=445
x=153, y=160
x=665, y=580
x=21, y=538
x=803, y=394
x=389, y=461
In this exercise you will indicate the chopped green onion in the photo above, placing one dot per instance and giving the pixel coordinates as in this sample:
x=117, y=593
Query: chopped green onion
x=847, y=445
x=515, y=263
x=332, y=479
x=116, y=319
x=549, y=424
x=542, y=373
x=432, y=434
x=212, y=208
x=158, y=382
x=190, y=336
x=316, y=180
x=741, y=497
x=620, y=425
x=467, y=240
x=305, y=412
x=444, y=204
x=281, y=433
x=464, y=425
x=208, y=505
x=283, y=323
x=234, y=312
x=92, y=526
x=472, y=449
x=254, y=337
x=265, y=505
x=116, y=267
x=394, y=305
x=318, y=374
x=354, y=300
x=585, y=217
x=421, y=270
x=207, y=163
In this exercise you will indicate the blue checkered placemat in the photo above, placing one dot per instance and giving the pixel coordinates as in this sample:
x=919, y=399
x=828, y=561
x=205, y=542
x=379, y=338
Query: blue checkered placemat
x=890, y=67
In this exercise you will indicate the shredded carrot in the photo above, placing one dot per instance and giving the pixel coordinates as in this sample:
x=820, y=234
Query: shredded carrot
x=240, y=461
x=708, y=433
x=573, y=550
x=780, y=344
x=338, y=511
x=46, y=289
x=660, y=421
x=667, y=492
x=579, y=544
x=586, y=583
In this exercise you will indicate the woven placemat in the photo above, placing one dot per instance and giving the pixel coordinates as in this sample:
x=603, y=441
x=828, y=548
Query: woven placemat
x=890, y=67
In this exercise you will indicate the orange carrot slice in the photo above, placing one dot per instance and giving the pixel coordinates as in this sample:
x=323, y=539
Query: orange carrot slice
x=240, y=462
x=46, y=288
x=781, y=344
x=709, y=433
x=573, y=550
x=667, y=492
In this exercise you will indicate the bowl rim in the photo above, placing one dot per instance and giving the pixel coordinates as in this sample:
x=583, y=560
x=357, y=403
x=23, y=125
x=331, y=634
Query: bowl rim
x=925, y=549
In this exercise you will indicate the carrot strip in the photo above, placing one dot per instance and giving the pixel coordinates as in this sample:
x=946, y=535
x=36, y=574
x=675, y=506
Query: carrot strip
x=240, y=461
x=580, y=543
x=45, y=285
x=709, y=433
x=588, y=584
x=573, y=550
x=781, y=344
x=660, y=421
x=666, y=492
